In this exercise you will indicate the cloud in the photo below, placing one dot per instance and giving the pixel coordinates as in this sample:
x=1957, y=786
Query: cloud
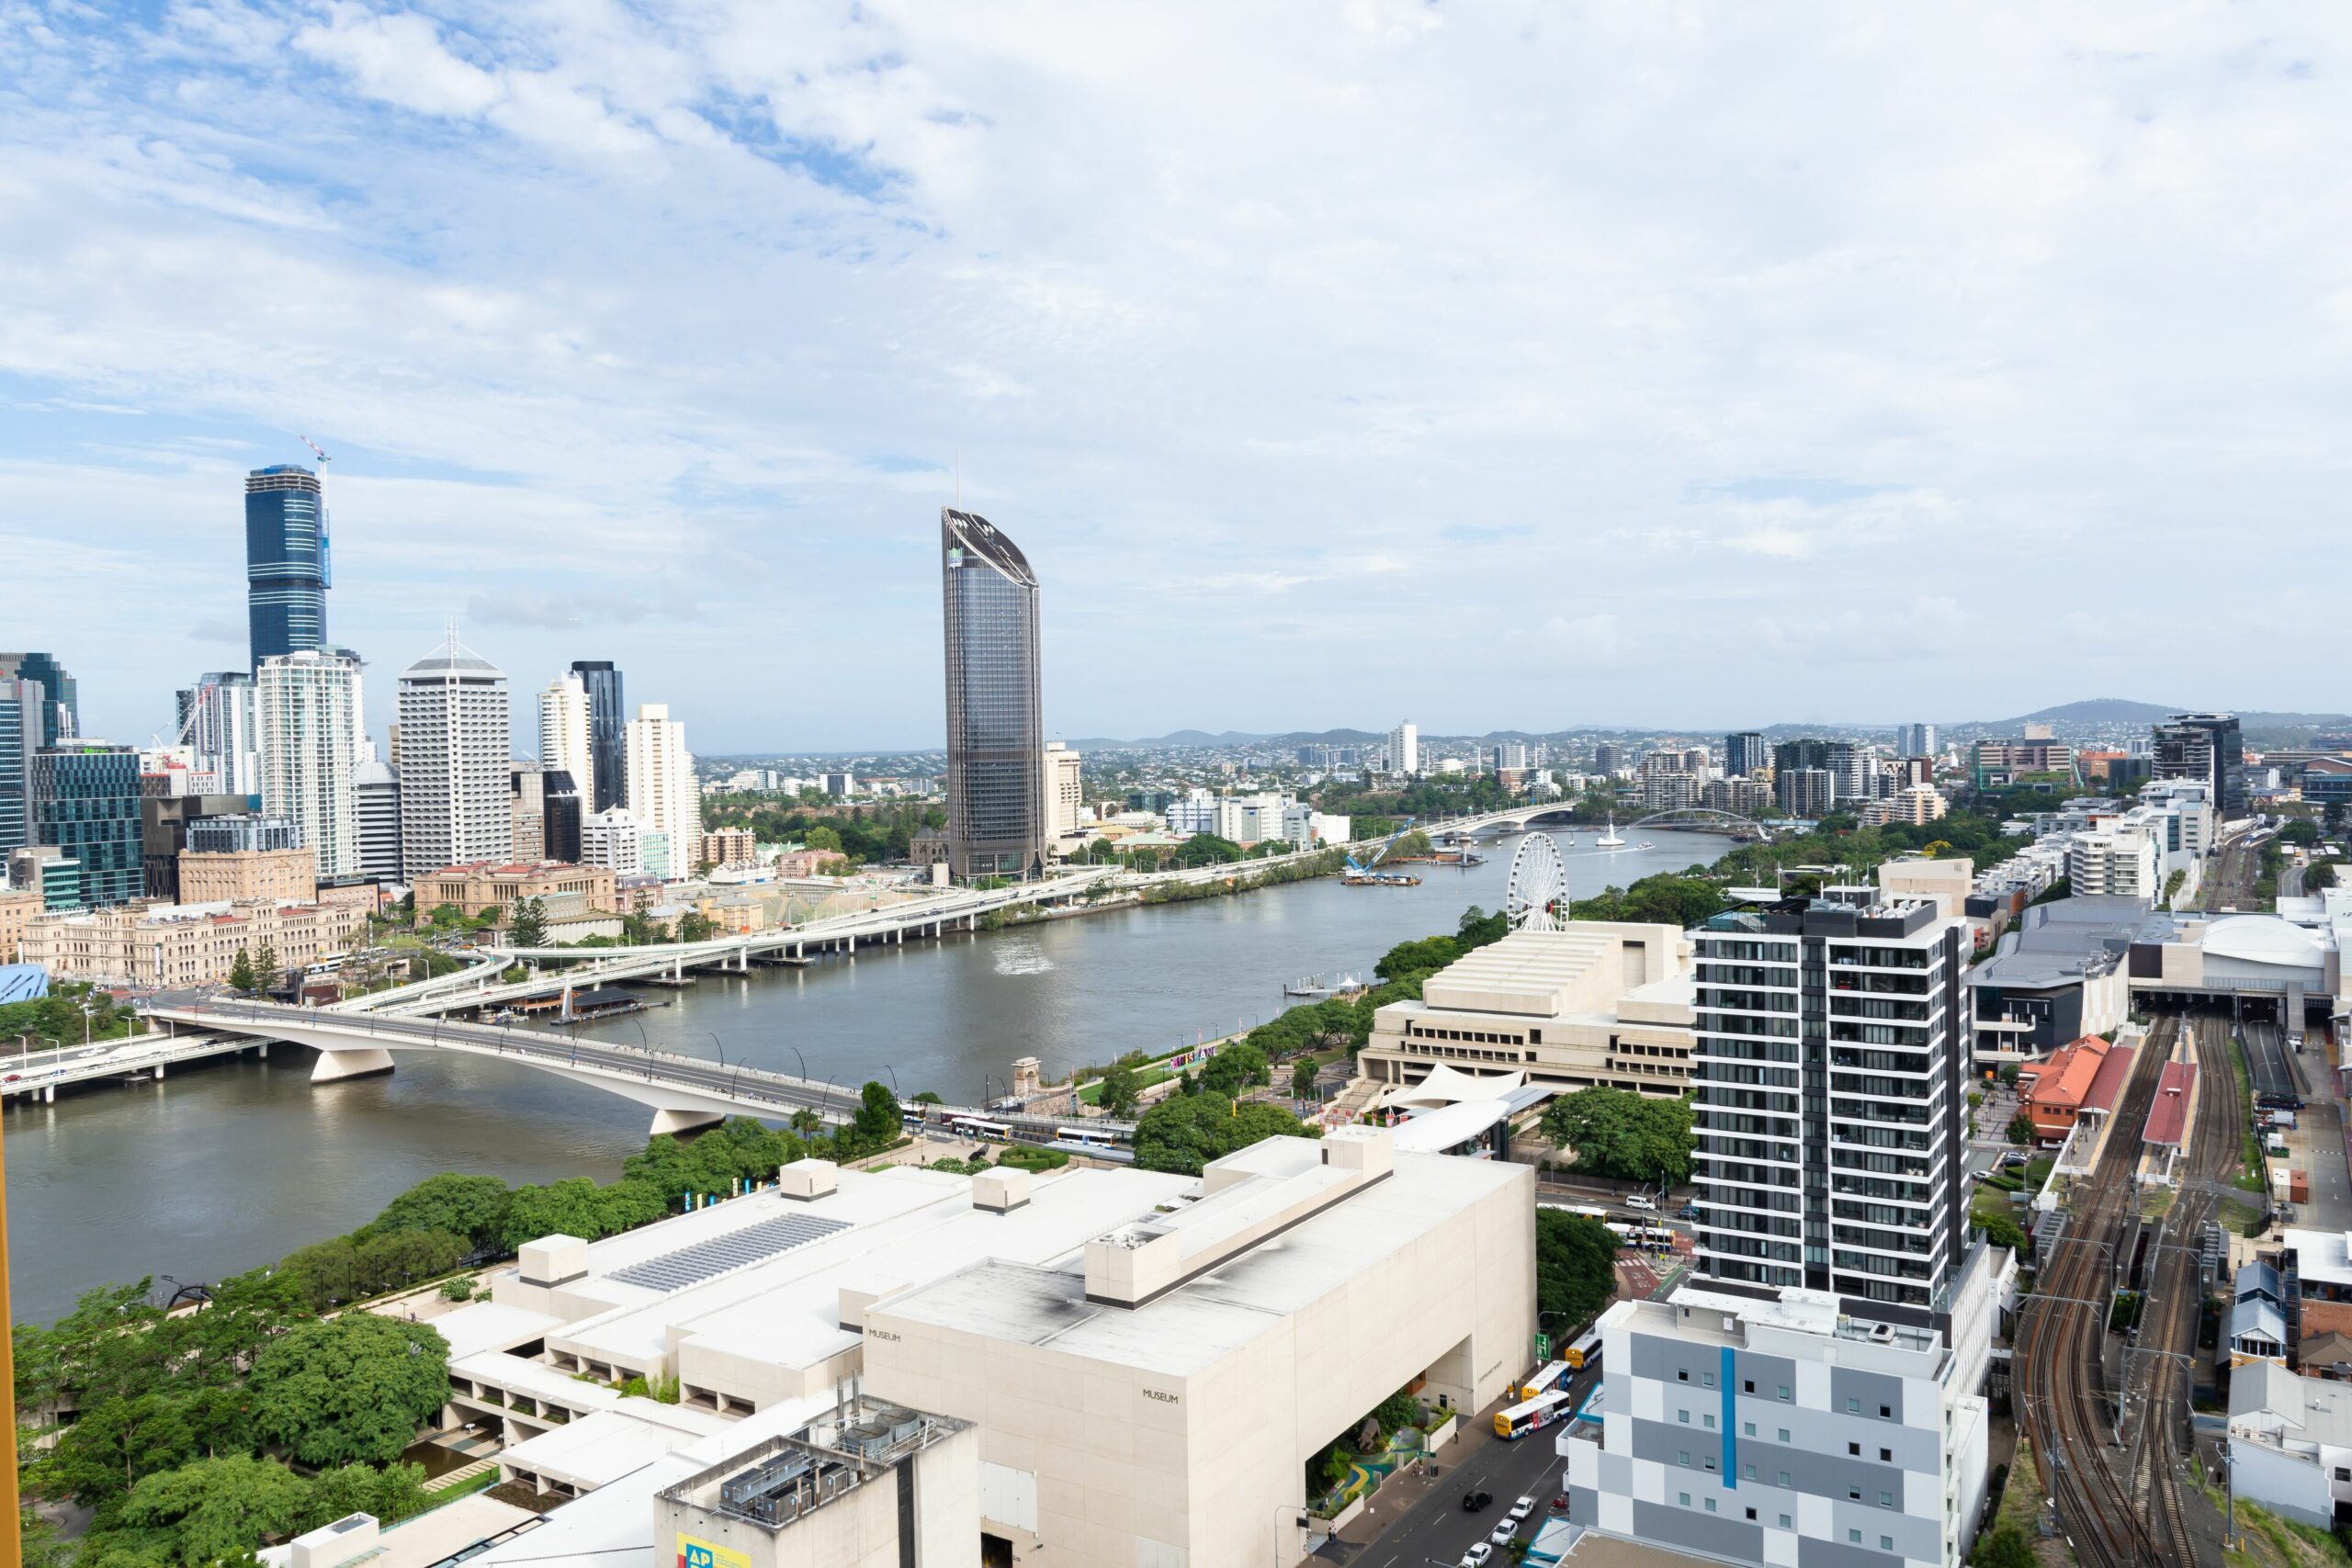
x=229, y=632
x=569, y=610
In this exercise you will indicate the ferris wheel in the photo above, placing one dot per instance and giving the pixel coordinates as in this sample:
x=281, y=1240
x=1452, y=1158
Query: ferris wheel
x=1537, y=899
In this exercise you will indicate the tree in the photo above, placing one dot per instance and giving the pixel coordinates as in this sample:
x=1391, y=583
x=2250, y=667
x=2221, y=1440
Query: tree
x=446, y=916
x=349, y=1389
x=1415, y=843
x=573, y=1206
x=2005, y=1547
x=824, y=840
x=806, y=1121
x=695, y=926
x=878, y=1122
x=1302, y=1079
x=265, y=966
x=1616, y=1131
x=528, y=928
x=213, y=1510
x=1121, y=1091
x=241, y=973
x=1234, y=1068
x=2021, y=1128
x=471, y=1206
x=1183, y=1132
x=1479, y=928
x=2002, y=1230
x=1576, y=1267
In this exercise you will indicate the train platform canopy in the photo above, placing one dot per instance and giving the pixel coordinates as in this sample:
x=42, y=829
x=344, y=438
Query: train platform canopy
x=2168, y=1117
x=2107, y=1084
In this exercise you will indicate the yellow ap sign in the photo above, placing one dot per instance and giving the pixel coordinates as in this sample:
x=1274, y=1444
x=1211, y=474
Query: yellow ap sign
x=693, y=1554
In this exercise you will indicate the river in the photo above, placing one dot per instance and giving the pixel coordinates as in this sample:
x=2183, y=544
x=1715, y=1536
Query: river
x=220, y=1169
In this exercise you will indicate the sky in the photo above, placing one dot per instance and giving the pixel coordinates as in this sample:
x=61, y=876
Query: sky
x=1492, y=366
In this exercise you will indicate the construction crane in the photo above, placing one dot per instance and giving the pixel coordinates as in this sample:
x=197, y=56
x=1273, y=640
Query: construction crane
x=319, y=450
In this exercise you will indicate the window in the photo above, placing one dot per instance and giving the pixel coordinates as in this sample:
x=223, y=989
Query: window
x=1886, y=1499
x=1747, y=1472
x=1708, y=1459
x=1748, y=1429
x=1683, y=1416
x=1784, y=1394
x=1751, y=1516
x=2342, y=1473
x=1854, y=1536
x=1750, y=1385
x=1854, y=1407
x=1708, y=1421
x=1886, y=1412
x=1854, y=1448
x=1886, y=1543
x=1707, y=1380
x=1784, y=1434
x=1710, y=1505
x=1683, y=1457
x=1784, y=1478
x=1853, y=1494
x=1681, y=1374
x=1787, y=1523
x=1886, y=1455
x=1684, y=1497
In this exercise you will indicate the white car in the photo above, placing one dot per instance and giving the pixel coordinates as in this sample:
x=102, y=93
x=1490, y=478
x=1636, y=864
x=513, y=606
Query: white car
x=1638, y=1202
x=1502, y=1533
x=1523, y=1507
x=1478, y=1556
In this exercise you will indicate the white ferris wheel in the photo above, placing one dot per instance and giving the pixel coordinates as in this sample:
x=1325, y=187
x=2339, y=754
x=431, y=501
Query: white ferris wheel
x=1538, y=896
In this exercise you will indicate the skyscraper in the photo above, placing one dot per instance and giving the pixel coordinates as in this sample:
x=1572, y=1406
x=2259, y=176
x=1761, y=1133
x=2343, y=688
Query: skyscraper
x=61, y=714
x=286, y=561
x=606, y=778
x=561, y=815
x=1608, y=758
x=1918, y=739
x=455, y=800
x=564, y=727
x=308, y=708
x=20, y=718
x=375, y=792
x=2207, y=748
x=1404, y=749
x=996, y=746
x=663, y=794
x=217, y=724
x=85, y=801
x=1744, y=752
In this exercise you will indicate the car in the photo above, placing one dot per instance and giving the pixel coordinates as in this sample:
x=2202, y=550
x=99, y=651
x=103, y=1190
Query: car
x=1478, y=1556
x=1523, y=1507
x=1503, y=1533
x=1474, y=1501
x=1635, y=1201
x=1560, y=1505
x=1687, y=1212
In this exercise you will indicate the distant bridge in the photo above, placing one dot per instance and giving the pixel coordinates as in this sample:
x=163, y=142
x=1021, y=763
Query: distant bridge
x=1518, y=818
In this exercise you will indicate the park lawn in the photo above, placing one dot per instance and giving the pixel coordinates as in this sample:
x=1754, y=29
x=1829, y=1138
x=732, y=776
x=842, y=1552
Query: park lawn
x=1144, y=1078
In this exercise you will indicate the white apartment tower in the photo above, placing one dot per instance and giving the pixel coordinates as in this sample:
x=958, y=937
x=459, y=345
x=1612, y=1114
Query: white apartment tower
x=563, y=728
x=453, y=769
x=218, y=724
x=663, y=794
x=307, y=712
x=1064, y=790
x=612, y=839
x=378, y=789
x=1404, y=749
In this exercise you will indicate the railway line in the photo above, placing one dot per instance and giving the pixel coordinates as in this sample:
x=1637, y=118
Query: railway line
x=2134, y=1514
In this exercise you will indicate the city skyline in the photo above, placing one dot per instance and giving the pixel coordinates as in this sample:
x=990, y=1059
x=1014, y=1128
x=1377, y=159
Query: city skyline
x=1674, y=407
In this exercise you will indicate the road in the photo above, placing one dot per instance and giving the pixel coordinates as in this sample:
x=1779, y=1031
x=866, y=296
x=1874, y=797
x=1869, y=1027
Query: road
x=1436, y=1530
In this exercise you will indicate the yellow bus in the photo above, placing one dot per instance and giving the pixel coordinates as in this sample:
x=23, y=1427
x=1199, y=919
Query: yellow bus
x=1533, y=1416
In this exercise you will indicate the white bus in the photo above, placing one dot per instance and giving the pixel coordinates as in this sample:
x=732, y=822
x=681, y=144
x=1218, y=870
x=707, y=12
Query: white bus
x=1083, y=1137
x=1531, y=1415
x=984, y=1131
x=1549, y=1376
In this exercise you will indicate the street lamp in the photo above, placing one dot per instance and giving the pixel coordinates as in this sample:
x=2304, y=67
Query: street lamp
x=717, y=1046
x=802, y=1060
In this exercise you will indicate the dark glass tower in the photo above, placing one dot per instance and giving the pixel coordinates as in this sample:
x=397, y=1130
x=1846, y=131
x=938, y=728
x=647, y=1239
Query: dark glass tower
x=286, y=561
x=21, y=716
x=559, y=816
x=995, y=747
x=607, y=733
x=61, y=713
x=85, y=801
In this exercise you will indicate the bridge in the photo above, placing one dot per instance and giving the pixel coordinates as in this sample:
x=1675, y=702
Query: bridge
x=682, y=1092
x=1518, y=818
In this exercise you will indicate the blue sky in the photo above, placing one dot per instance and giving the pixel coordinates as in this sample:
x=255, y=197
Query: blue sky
x=1500, y=366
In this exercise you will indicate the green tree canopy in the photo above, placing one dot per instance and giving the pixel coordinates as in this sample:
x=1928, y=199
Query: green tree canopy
x=471, y=1206
x=1615, y=1132
x=1120, y=1089
x=529, y=926
x=876, y=1124
x=1235, y=1067
x=349, y=1389
x=213, y=1510
x=827, y=840
x=1575, y=1270
x=1183, y=1132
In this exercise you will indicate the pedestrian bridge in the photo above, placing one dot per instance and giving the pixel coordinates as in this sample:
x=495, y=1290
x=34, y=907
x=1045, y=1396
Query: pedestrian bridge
x=1518, y=818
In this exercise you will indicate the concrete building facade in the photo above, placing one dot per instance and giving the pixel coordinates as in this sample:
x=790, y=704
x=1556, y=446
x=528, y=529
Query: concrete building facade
x=456, y=798
x=244, y=876
x=663, y=794
x=170, y=945
x=612, y=839
x=310, y=709
x=480, y=887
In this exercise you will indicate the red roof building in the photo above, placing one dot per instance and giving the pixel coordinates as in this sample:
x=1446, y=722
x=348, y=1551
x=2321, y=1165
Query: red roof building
x=2055, y=1091
x=2168, y=1117
x=2106, y=1087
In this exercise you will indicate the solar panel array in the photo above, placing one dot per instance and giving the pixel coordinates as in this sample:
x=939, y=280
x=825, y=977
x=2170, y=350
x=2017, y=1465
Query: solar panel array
x=706, y=1259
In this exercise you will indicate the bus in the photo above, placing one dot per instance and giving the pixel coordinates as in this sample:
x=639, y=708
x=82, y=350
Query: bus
x=1549, y=1376
x=1585, y=1352
x=1659, y=1237
x=1589, y=1211
x=912, y=1114
x=1533, y=1414
x=1083, y=1137
x=984, y=1131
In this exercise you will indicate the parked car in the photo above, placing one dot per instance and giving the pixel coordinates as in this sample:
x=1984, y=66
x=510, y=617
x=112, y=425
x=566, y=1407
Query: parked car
x=1503, y=1533
x=1478, y=1556
x=1687, y=1212
x=1636, y=1200
x=1474, y=1501
x=1560, y=1505
x=1523, y=1507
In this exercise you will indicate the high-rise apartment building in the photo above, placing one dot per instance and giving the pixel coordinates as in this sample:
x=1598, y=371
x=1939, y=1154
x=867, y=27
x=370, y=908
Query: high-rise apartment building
x=2205, y=748
x=375, y=792
x=61, y=712
x=1064, y=790
x=1608, y=758
x=455, y=795
x=219, y=727
x=308, y=708
x=564, y=728
x=663, y=794
x=85, y=802
x=612, y=839
x=287, y=569
x=21, y=702
x=1509, y=754
x=1918, y=740
x=1809, y=793
x=526, y=809
x=1404, y=749
x=1829, y=1095
x=605, y=773
x=1847, y=765
x=996, y=747
x=1744, y=752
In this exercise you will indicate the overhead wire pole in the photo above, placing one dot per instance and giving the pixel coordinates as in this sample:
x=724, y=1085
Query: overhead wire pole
x=11, y=1507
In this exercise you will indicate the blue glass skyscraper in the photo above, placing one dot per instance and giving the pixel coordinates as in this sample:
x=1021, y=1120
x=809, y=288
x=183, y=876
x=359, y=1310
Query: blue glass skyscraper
x=607, y=784
x=85, y=801
x=286, y=561
x=20, y=717
x=61, y=714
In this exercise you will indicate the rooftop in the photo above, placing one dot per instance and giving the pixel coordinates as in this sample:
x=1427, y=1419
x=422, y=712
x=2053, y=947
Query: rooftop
x=2168, y=1117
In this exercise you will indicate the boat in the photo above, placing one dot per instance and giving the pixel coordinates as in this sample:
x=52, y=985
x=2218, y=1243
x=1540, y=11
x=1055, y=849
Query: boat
x=1608, y=840
x=1379, y=879
x=1313, y=987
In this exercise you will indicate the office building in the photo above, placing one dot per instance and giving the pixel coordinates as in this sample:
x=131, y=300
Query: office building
x=375, y=793
x=1847, y=765
x=48, y=871
x=478, y=889
x=841, y=783
x=612, y=839
x=456, y=798
x=1809, y=793
x=995, y=747
x=286, y=561
x=1065, y=791
x=2204, y=748
x=309, y=711
x=564, y=728
x=1510, y=756
x=1918, y=741
x=220, y=727
x=1744, y=753
x=605, y=782
x=244, y=860
x=1995, y=764
x=527, y=809
x=18, y=906
x=61, y=712
x=170, y=945
x=1608, y=758
x=560, y=814
x=663, y=794
x=1744, y=796
x=1404, y=749
x=21, y=702
x=85, y=802
x=165, y=822
x=2117, y=862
